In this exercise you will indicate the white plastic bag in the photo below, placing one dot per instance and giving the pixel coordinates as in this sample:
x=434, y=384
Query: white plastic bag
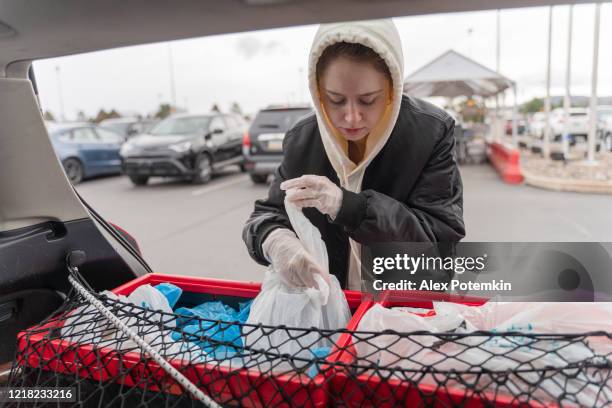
x=147, y=326
x=542, y=317
x=87, y=325
x=497, y=354
x=279, y=304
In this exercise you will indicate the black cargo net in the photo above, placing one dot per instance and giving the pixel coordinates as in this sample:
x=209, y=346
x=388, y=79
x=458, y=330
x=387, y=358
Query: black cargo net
x=237, y=364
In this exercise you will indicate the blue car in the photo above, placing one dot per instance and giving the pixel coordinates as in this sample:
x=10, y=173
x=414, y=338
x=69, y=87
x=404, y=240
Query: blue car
x=86, y=150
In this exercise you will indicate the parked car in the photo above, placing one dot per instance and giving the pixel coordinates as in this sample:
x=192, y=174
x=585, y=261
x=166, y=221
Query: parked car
x=190, y=146
x=604, y=125
x=578, y=128
x=129, y=127
x=537, y=124
x=521, y=127
x=578, y=124
x=262, y=145
x=86, y=150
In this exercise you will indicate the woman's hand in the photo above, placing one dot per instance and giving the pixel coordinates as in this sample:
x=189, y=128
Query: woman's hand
x=290, y=259
x=314, y=191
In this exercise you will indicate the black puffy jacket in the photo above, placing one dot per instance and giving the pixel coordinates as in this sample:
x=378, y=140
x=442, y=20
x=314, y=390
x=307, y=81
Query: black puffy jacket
x=411, y=191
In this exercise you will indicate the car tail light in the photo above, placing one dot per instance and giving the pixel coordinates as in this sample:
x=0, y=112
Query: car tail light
x=246, y=140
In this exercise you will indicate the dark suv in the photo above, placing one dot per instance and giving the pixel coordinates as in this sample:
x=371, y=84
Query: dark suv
x=185, y=145
x=262, y=146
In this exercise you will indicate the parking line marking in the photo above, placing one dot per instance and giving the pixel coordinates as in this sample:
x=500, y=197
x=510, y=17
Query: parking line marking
x=219, y=186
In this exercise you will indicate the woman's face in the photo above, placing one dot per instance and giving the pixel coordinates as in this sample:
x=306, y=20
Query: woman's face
x=354, y=95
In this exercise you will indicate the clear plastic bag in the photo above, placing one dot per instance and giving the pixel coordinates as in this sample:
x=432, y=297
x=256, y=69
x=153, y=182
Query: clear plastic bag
x=497, y=353
x=279, y=304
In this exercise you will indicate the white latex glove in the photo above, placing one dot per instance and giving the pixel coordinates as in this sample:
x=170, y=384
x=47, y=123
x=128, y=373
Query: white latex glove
x=290, y=259
x=314, y=191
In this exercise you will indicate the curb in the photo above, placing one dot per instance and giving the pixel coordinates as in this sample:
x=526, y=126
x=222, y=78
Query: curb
x=506, y=160
x=573, y=185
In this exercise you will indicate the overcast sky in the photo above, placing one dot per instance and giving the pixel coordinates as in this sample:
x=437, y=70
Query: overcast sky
x=260, y=68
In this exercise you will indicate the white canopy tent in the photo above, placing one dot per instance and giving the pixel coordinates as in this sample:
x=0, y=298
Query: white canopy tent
x=452, y=74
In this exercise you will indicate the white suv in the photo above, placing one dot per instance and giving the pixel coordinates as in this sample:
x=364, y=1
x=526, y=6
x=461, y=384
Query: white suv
x=578, y=123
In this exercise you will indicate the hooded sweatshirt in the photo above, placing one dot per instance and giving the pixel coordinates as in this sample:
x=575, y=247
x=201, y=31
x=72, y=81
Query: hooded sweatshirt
x=383, y=38
x=406, y=188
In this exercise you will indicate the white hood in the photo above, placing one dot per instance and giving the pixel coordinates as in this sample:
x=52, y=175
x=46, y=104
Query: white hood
x=382, y=37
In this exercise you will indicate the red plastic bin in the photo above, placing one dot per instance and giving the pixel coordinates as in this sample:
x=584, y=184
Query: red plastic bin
x=304, y=391
x=357, y=391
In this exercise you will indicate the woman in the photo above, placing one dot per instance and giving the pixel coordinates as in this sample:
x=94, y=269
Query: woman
x=371, y=165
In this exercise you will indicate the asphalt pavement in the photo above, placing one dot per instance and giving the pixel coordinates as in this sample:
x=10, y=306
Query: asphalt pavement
x=196, y=230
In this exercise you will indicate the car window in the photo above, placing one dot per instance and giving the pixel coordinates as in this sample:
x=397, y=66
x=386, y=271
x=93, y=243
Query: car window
x=121, y=127
x=147, y=125
x=217, y=123
x=181, y=126
x=278, y=120
x=136, y=128
x=108, y=136
x=83, y=135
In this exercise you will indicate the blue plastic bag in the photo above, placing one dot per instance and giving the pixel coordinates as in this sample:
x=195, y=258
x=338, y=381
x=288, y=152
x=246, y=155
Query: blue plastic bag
x=318, y=353
x=208, y=334
x=170, y=291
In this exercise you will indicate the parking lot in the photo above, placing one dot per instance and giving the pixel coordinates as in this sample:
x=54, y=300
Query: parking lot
x=196, y=230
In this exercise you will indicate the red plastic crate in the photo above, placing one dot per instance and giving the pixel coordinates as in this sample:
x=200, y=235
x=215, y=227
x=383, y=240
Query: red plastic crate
x=355, y=392
x=304, y=390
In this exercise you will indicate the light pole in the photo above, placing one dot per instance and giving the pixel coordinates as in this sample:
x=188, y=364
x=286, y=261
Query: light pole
x=469, y=33
x=567, y=103
x=59, y=93
x=593, y=104
x=547, y=129
x=497, y=49
x=171, y=66
x=498, y=127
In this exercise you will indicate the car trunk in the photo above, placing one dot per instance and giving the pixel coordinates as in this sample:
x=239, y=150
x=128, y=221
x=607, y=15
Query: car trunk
x=42, y=219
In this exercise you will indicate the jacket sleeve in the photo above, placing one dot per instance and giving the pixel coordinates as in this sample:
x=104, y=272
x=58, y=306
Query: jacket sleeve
x=433, y=211
x=269, y=214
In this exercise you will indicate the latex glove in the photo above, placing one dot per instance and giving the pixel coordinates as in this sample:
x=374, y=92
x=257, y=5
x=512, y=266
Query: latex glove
x=290, y=259
x=314, y=191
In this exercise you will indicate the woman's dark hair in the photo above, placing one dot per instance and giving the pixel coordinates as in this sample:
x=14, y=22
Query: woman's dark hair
x=355, y=51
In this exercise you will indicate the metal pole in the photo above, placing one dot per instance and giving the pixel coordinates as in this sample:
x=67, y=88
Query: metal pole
x=498, y=135
x=547, y=129
x=567, y=103
x=469, y=32
x=593, y=105
x=59, y=93
x=514, y=114
x=172, y=87
x=497, y=49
